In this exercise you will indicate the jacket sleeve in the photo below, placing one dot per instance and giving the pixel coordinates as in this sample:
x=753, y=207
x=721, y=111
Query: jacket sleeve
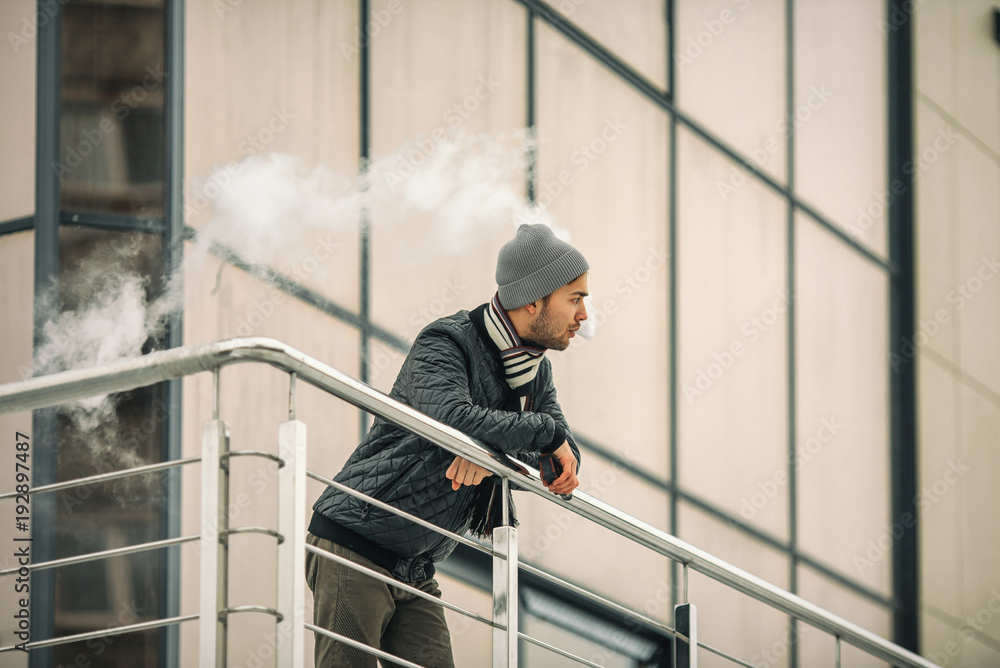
x=439, y=387
x=549, y=405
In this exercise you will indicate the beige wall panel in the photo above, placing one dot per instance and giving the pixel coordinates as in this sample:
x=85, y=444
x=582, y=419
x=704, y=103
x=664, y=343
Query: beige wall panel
x=817, y=648
x=950, y=642
x=603, y=172
x=730, y=59
x=975, y=478
x=471, y=640
x=732, y=324
x=384, y=364
x=934, y=40
x=276, y=77
x=841, y=139
x=584, y=645
x=977, y=196
x=940, y=532
x=17, y=279
x=842, y=407
x=728, y=620
x=18, y=20
x=634, y=30
x=936, y=240
x=977, y=71
x=441, y=68
x=254, y=402
x=554, y=539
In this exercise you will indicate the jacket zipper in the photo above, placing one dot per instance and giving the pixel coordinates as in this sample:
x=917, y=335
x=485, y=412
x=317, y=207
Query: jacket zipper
x=386, y=489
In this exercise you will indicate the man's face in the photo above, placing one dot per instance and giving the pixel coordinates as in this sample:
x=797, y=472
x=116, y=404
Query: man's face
x=556, y=322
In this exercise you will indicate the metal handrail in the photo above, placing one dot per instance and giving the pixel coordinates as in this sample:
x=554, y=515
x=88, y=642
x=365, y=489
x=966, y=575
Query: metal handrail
x=163, y=365
x=103, y=633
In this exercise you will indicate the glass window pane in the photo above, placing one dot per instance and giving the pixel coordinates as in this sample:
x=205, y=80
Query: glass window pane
x=840, y=117
x=111, y=121
x=17, y=109
x=842, y=414
x=634, y=31
x=733, y=330
x=105, y=281
x=730, y=63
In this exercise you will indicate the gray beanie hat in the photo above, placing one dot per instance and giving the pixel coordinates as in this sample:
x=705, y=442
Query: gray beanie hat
x=534, y=264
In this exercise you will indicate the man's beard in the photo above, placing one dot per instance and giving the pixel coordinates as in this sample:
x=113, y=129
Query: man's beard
x=545, y=331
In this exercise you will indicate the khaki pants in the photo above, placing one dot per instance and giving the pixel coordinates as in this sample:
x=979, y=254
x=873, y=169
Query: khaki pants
x=370, y=611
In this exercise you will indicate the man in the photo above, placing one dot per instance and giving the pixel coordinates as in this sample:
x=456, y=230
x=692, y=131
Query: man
x=484, y=373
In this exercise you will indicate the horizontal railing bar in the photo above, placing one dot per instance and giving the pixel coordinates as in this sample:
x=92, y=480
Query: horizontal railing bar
x=719, y=652
x=96, y=556
x=401, y=585
x=597, y=598
x=736, y=578
x=252, y=453
x=261, y=530
x=162, y=365
x=102, y=477
x=363, y=647
x=112, y=631
x=225, y=612
x=402, y=513
x=552, y=648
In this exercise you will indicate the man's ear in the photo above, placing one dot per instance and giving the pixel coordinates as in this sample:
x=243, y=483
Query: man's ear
x=531, y=307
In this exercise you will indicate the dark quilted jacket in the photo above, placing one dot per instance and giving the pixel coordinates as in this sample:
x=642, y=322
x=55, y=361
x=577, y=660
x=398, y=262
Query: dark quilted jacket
x=454, y=377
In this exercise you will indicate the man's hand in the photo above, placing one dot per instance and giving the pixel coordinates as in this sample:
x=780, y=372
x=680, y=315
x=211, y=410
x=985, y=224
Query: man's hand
x=463, y=472
x=567, y=480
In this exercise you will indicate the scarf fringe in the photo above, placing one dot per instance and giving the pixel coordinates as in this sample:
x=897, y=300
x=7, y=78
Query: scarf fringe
x=487, y=509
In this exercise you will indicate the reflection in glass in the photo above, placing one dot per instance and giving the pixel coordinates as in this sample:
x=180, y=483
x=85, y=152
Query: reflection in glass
x=111, y=122
x=107, y=281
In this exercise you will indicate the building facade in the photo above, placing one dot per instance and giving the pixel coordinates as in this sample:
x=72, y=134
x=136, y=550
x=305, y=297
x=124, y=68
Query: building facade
x=791, y=209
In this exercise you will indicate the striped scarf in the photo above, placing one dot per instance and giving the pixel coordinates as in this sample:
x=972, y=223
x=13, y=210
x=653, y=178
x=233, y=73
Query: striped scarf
x=520, y=358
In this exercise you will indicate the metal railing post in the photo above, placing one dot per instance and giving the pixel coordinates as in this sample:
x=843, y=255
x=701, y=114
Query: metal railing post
x=505, y=597
x=292, y=550
x=214, y=550
x=686, y=647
